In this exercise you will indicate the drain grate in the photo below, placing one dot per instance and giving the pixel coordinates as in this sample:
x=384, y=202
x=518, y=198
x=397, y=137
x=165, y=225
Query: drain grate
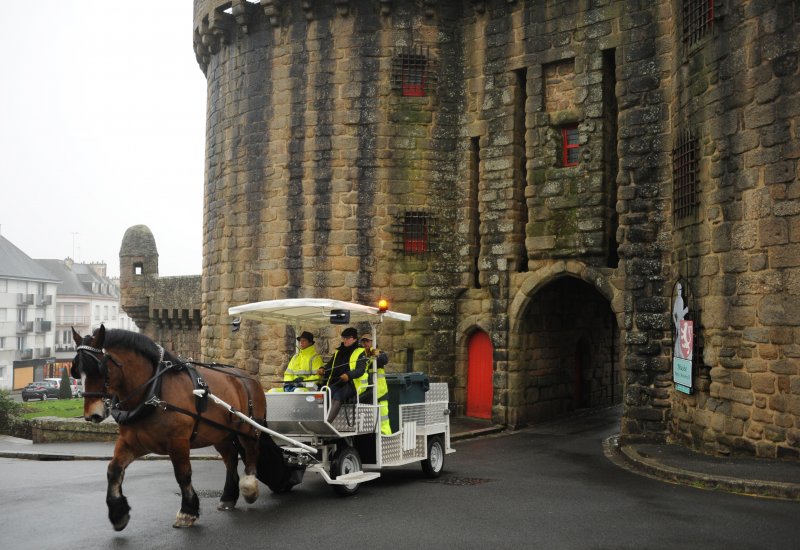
x=460, y=481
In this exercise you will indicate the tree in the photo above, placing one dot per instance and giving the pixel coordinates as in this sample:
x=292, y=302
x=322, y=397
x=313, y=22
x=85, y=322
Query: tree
x=65, y=389
x=10, y=412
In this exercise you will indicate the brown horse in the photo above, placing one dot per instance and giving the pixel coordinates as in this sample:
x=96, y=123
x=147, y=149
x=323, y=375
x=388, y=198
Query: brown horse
x=149, y=391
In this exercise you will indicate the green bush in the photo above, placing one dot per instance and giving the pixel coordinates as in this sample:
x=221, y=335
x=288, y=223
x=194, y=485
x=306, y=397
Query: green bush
x=65, y=389
x=10, y=412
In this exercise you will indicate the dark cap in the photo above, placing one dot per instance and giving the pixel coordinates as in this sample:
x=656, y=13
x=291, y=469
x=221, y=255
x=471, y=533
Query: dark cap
x=307, y=335
x=349, y=332
x=366, y=336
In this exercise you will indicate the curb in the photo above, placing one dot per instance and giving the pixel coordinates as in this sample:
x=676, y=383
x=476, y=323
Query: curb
x=627, y=457
x=476, y=433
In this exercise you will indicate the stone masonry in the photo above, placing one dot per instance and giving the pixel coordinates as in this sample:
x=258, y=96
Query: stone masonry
x=167, y=309
x=543, y=171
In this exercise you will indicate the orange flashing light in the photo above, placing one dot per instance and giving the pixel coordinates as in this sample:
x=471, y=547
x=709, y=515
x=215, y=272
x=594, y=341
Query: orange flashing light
x=383, y=305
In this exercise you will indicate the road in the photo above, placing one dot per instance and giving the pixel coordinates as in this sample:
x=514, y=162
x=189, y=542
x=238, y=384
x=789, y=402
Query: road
x=544, y=487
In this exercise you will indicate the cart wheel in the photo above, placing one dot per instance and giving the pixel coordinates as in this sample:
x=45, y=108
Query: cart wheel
x=345, y=461
x=434, y=464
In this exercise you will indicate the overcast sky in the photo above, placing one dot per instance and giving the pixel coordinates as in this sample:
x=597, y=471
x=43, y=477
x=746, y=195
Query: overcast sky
x=102, y=124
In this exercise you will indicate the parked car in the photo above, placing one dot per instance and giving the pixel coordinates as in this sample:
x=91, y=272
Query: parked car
x=45, y=389
x=75, y=385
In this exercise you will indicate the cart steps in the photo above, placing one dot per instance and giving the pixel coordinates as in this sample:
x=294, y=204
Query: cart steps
x=355, y=477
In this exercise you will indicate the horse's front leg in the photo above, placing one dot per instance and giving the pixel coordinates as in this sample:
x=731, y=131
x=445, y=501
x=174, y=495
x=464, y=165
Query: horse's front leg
x=118, y=509
x=230, y=456
x=190, y=503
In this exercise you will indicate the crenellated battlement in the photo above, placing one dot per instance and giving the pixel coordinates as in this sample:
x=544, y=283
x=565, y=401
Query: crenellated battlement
x=218, y=22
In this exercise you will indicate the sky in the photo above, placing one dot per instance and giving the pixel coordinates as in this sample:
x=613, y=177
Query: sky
x=102, y=127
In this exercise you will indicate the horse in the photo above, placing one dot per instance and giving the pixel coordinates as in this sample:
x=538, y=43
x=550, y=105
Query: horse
x=149, y=391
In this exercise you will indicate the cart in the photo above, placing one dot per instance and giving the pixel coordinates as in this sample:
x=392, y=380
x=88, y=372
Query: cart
x=351, y=450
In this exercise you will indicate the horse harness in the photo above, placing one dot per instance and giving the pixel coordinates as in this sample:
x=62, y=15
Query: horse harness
x=152, y=399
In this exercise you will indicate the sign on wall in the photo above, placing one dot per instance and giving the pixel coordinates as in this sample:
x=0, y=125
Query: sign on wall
x=683, y=351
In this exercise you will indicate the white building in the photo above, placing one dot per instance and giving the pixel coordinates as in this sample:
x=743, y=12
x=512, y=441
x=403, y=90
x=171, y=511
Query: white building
x=86, y=299
x=27, y=315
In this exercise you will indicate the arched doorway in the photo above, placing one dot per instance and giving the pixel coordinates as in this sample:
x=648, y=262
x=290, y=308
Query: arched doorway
x=567, y=351
x=480, y=354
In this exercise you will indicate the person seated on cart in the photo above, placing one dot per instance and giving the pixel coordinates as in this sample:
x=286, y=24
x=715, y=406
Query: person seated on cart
x=303, y=366
x=347, y=364
x=367, y=383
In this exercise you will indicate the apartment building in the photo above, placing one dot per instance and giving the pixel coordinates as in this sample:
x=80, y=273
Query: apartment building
x=27, y=315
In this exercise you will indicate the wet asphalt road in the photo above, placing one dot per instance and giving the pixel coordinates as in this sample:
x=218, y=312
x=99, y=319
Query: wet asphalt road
x=544, y=487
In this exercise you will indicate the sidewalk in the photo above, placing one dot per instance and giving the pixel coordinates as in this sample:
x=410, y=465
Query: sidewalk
x=760, y=477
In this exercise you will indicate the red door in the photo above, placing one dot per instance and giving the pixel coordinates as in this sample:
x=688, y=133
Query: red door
x=479, y=375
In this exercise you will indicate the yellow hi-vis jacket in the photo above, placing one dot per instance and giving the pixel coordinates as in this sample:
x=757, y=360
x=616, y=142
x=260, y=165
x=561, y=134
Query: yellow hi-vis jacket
x=304, y=365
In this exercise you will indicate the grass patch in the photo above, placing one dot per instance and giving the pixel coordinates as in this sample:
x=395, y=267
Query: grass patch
x=64, y=408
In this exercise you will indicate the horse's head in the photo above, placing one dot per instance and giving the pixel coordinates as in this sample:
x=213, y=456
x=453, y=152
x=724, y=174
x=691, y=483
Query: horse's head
x=91, y=366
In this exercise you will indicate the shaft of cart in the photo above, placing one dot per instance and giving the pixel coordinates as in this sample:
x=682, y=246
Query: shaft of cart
x=231, y=409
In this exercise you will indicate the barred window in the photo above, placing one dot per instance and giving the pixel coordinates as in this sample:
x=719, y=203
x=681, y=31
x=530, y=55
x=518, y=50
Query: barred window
x=684, y=176
x=412, y=72
x=570, y=148
x=698, y=20
x=415, y=233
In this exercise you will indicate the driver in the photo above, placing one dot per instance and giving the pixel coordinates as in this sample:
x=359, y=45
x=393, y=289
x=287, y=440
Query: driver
x=347, y=364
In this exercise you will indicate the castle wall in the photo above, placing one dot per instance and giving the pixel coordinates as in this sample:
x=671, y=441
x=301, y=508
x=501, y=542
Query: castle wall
x=538, y=143
x=166, y=309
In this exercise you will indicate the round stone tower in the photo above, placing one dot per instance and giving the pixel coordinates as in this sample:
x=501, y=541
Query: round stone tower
x=138, y=271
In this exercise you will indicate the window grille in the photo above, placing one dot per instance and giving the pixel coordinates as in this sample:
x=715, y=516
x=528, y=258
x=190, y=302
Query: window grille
x=698, y=20
x=413, y=230
x=412, y=73
x=684, y=176
x=570, y=148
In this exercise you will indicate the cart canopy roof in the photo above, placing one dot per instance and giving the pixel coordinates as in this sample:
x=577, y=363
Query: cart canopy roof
x=316, y=312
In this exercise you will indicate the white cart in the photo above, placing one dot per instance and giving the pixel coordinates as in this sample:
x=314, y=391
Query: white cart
x=351, y=449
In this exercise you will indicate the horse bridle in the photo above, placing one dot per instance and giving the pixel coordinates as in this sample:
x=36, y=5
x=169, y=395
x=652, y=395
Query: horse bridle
x=102, y=367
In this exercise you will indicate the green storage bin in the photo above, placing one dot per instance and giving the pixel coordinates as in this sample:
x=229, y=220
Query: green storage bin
x=404, y=388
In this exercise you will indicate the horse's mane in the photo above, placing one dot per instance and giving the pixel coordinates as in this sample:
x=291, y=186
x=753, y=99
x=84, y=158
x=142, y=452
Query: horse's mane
x=137, y=342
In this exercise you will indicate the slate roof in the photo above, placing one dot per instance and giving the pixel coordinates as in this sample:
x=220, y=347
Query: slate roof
x=77, y=279
x=15, y=264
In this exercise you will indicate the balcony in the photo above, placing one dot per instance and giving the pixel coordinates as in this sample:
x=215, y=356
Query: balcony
x=22, y=328
x=25, y=354
x=72, y=320
x=42, y=353
x=44, y=300
x=24, y=299
x=42, y=326
x=65, y=347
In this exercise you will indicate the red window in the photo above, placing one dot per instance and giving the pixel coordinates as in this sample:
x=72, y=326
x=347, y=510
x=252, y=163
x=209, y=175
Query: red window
x=698, y=19
x=413, y=84
x=415, y=233
x=570, y=149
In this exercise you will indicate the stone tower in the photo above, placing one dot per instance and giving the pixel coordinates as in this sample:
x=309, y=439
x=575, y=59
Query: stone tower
x=530, y=180
x=167, y=309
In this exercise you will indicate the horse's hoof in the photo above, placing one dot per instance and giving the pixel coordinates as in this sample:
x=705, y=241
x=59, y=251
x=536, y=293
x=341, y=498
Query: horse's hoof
x=226, y=506
x=122, y=523
x=184, y=520
x=248, y=488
